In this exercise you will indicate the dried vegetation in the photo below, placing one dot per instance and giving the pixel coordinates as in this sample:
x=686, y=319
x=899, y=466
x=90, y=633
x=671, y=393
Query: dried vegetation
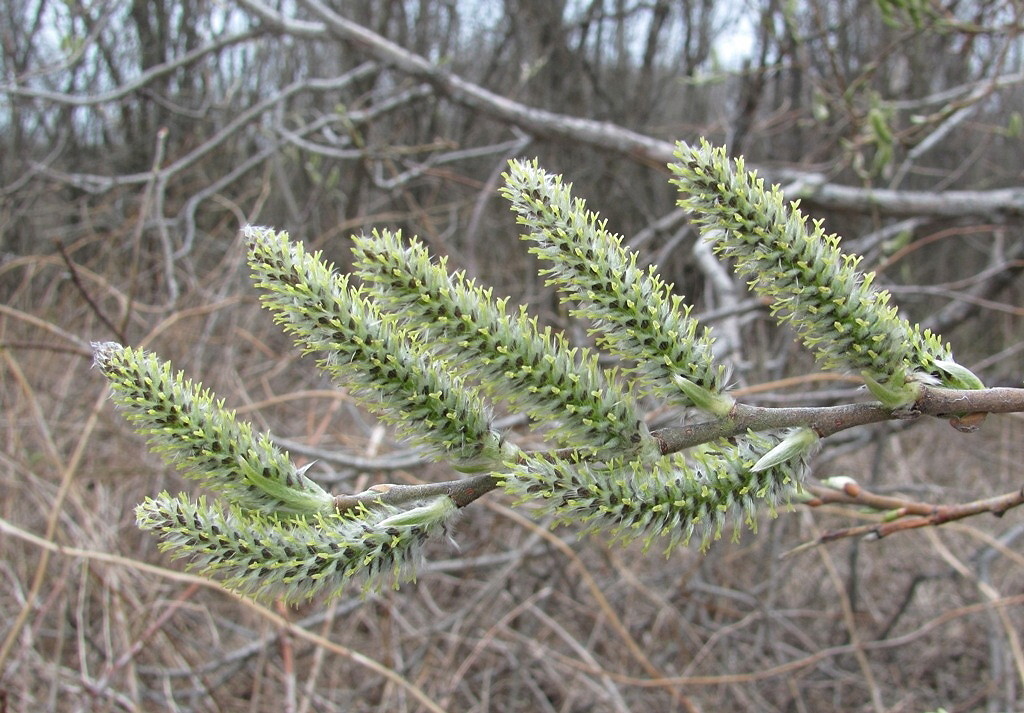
x=518, y=617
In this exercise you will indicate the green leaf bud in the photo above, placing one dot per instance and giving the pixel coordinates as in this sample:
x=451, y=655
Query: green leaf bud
x=955, y=376
x=438, y=509
x=799, y=443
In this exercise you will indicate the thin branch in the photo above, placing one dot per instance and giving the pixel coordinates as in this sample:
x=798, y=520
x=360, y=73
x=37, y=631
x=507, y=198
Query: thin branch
x=76, y=280
x=462, y=492
x=94, y=183
x=123, y=90
x=900, y=514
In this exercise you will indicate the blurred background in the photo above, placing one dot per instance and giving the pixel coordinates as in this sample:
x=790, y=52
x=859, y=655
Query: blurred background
x=136, y=138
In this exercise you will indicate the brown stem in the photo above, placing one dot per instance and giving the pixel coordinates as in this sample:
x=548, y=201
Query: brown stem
x=824, y=420
x=924, y=514
x=77, y=282
x=463, y=492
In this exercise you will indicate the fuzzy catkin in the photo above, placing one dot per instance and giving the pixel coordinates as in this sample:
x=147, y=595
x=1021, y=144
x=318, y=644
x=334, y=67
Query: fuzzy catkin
x=372, y=353
x=813, y=285
x=200, y=436
x=674, y=498
x=510, y=356
x=634, y=312
x=266, y=558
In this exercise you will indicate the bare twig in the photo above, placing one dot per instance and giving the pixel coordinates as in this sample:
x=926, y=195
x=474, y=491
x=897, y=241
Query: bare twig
x=899, y=514
x=86, y=296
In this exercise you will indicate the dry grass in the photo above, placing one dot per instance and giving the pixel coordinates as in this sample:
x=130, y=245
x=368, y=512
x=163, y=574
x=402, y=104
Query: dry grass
x=519, y=618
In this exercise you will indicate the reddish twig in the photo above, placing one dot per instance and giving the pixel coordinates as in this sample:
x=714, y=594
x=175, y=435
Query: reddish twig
x=900, y=514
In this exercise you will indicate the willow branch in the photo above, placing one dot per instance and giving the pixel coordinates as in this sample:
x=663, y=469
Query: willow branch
x=824, y=420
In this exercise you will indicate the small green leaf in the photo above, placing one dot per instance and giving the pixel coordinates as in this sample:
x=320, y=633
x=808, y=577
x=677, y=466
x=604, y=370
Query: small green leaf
x=798, y=444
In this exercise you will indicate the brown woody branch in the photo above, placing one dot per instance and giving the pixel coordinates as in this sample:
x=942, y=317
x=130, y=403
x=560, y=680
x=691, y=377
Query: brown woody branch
x=964, y=409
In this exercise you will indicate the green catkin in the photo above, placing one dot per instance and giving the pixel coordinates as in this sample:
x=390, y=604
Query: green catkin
x=674, y=498
x=812, y=283
x=634, y=312
x=508, y=355
x=372, y=353
x=267, y=558
x=190, y=429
